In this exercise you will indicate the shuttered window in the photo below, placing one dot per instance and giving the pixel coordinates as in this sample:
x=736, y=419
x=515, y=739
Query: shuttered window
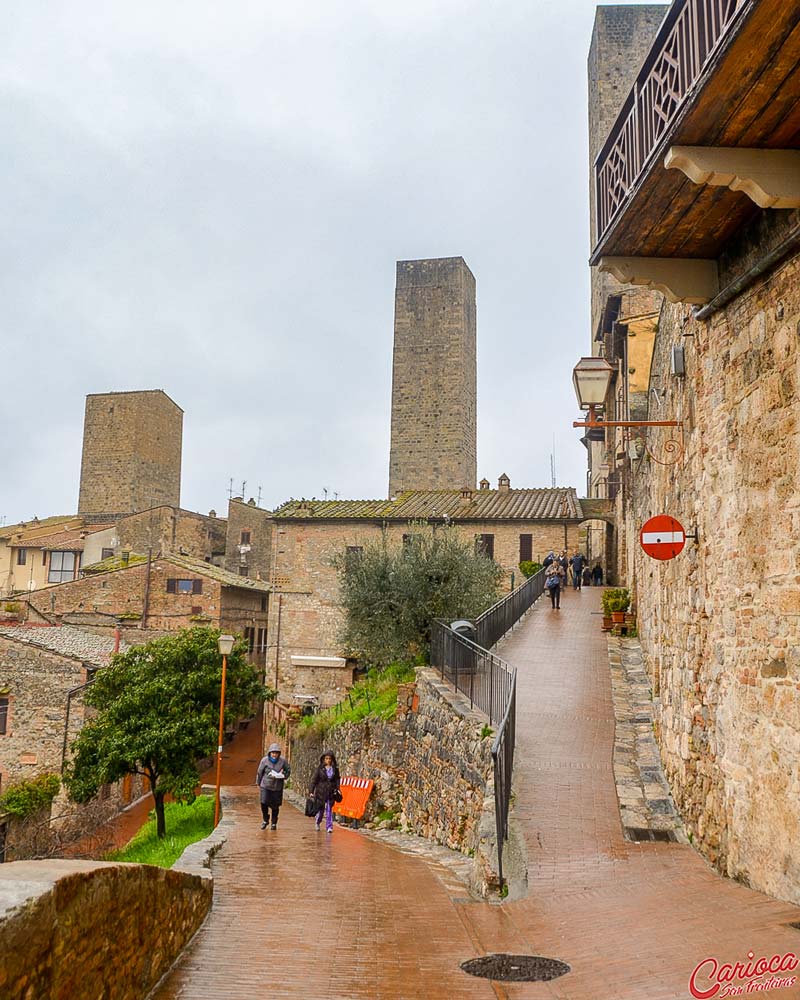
x=525, y=548
x=175, y=586
x=484, y=545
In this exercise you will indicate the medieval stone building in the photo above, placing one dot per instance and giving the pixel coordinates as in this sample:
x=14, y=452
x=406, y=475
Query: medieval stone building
x=697, y=198
x=434, y=377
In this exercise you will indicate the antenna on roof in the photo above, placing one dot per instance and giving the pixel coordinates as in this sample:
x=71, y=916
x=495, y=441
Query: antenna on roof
x=553, y=464
x=258, y=502
x=335, y=495
x=230, y=489
x=325, y=491
x=244, y=487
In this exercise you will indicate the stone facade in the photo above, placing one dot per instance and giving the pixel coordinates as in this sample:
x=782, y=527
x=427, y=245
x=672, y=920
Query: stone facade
x=720, y=624
x=131, y=457
x=431, y=765
x=88, y=929
x=248, y=549
x=434, y=377
x=167, y=530
x=307, y=587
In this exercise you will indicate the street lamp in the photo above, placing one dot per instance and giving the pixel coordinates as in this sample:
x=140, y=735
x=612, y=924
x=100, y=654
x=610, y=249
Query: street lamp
x=225, y=644
x=591, y=378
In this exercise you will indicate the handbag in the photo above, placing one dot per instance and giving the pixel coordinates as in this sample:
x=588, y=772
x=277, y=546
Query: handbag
x=311, y=806
x=337, y=796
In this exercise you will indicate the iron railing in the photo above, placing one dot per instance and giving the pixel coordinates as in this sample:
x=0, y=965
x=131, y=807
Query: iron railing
x=491, y=686
x=689, y=36
x=493, y=624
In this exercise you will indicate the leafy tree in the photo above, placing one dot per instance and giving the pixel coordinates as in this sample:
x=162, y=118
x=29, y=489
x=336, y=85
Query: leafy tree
x=158, y=714
x=392, y=594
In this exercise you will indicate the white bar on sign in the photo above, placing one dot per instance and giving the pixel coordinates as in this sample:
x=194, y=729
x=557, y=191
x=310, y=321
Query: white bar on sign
x=654, y=537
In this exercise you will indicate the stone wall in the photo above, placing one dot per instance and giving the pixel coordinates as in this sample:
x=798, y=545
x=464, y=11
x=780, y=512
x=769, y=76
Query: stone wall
x=248, y=546
x=89, y=929
x=169, y=529
x=308, y=600
x=431, y=765
x=720, y=624
x=434, y=377
x=131, y=456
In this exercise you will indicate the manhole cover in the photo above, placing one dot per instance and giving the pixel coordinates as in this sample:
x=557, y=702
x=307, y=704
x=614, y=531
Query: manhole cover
x=638, y=835
x=516, y=968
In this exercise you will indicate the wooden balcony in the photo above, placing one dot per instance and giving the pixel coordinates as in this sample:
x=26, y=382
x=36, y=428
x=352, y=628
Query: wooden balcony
x=720, y=73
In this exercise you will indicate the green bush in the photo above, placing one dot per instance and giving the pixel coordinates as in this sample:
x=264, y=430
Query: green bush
x=615, y=599
x=375, y=696
x=27, y=797
x=528, y=568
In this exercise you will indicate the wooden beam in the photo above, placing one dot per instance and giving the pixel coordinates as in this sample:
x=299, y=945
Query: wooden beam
x=769, y=177
x=679, y=279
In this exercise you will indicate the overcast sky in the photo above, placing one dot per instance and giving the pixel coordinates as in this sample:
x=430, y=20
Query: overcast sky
x=210, y=199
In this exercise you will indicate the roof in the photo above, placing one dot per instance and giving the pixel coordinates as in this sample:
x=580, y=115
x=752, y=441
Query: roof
x=40, y=528
x=223, y=576
x=65, y=640
x=559, y=503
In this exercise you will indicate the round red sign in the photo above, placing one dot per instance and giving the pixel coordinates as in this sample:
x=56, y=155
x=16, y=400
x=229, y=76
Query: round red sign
x=662, y=537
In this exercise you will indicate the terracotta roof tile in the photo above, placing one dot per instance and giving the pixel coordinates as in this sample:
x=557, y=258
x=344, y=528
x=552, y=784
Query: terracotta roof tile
x=66, y=640
x=559, y=503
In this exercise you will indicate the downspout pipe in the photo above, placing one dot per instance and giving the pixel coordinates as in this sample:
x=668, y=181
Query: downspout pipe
x=789, y=243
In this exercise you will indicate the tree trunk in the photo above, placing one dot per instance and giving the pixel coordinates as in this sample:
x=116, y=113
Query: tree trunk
x=161, y=827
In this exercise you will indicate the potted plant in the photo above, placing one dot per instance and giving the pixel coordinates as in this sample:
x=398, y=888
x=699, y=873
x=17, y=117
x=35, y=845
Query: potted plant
x=619, y=604
x=605, y=600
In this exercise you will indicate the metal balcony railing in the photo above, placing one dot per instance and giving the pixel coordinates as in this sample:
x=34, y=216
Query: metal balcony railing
x=689, y=36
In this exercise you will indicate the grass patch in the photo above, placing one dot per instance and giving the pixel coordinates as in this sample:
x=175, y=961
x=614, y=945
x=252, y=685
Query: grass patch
x=186, y=823
x=374, y=696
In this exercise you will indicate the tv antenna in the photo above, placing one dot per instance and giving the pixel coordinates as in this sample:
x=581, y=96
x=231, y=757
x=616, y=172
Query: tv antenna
x=553, y=464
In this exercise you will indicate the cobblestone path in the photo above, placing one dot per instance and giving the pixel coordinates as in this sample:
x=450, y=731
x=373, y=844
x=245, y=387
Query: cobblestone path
x=302, y=914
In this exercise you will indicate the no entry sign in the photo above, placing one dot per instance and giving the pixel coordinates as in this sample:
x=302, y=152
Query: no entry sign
x=662, y=537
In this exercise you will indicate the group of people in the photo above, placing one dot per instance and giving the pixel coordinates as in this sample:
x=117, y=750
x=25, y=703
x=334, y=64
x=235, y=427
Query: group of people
x=559, y=568
x=274, y=770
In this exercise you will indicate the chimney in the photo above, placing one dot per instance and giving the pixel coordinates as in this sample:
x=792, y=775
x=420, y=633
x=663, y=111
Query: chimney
x=484, y=484
x=466, y=496
x=504, y=484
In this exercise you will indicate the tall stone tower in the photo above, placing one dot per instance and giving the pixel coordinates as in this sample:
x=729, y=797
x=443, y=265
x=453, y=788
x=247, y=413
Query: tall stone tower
x=434, y=377
x=131, y=452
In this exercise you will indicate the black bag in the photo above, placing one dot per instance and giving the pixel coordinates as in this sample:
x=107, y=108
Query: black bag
x=311, y=806
x=337, y=796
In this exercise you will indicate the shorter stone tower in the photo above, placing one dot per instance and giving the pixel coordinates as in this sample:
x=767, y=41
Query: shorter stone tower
x=131, y=452
x=434, y=377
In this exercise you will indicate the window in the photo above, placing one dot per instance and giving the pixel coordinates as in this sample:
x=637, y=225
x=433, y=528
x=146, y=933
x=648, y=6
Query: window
x=44, y=557
x=264, y=603
x=409, y=539
x=484, y=545
x=106, y=553
x=245, y=538
x=242, y=571
x=262, y=640
x=175, y=586
x=62, y=567
x=22, y=555
x=525, y=548
x=250, y=638
x=4, y=702
x=353, y=555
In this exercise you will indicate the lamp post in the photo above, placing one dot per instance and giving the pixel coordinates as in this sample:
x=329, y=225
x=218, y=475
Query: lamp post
x=225, y=643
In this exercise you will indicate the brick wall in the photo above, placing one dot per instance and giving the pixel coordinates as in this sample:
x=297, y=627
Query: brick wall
x=434, y=380
x=88, y=929
x=131, y=456
x=720, y=624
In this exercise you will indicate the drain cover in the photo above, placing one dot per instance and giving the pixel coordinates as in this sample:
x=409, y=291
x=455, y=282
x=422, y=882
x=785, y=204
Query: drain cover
x=516, y=968
x=637, y=835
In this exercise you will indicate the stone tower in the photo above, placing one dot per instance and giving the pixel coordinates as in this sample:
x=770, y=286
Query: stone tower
x=434, y=377
x=131, y=452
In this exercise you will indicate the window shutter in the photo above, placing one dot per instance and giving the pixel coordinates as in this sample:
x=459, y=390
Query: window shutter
x=172, y=586
x=525, y=548
x=197, y=586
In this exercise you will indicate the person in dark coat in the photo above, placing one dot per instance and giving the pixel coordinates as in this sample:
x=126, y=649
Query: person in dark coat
x=597, y=575
x=324, y=786
x=270, y=778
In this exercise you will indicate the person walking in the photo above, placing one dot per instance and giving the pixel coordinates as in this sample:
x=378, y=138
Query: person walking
x=270, y=778
x=587, y=577
x=597, y=575
x=325, y=789
x=552, y=581
x=577, y=561
x=563, y=564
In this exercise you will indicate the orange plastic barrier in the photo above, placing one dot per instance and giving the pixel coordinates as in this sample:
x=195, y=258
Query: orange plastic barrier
x=355, y=794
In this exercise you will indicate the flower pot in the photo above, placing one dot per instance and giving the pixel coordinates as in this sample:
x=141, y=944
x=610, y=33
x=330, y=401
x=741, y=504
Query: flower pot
x=606, y=623
x=618, y=617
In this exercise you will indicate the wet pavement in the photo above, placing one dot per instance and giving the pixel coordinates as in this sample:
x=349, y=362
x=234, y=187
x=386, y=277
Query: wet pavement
x=304, y=914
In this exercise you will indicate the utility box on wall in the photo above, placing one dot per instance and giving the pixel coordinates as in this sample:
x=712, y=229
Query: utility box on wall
x=677, y=363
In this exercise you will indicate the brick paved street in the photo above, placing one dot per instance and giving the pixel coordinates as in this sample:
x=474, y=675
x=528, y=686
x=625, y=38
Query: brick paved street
x=301, y=914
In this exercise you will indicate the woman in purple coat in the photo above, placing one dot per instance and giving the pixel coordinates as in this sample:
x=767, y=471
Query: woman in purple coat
x=324, y=786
